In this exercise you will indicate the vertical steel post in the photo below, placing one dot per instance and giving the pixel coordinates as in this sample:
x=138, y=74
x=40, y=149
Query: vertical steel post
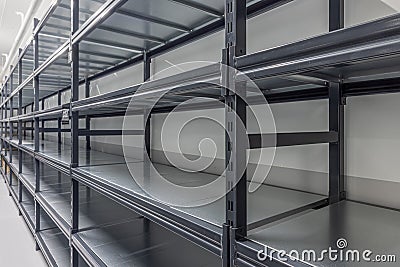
x=32, y=124
x=36, y=124
x=43, y=120
x=235, y=114
x=25, y=123
x=336, y=116
x=1, y=117
x=336, y=149
x=147, y=113
x=6, y=115
x=20, y=128
x=11, y=124
x=87, y=118
x=59, y=122
x=87, y=127
x=336, y=15
x=147, y=132
x=74, y=58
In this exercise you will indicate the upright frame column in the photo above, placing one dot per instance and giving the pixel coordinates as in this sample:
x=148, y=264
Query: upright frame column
x=147, y=123
x=87, y=118
x=36, y=125
x=43, y=120
x=11, y=128
x=235, y=115
x=336, y=116
x=1, y=117
x=74, y=57
x=6, y=145
x=20, y=127
x=10, y=124
x=59, y=120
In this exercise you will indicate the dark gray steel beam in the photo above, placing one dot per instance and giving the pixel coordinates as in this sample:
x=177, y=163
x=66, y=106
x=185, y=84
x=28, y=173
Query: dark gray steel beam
x=84, y=132
x=152, y=19
x=140, y=16
x=35, y=106
x=74, y=58
x=198, y=6
x=336, y=116
x=115, y=45
x=257, y=141
x=20, y=122
x=59, y=122
x=101, y=54
x=147, y=113
x=336, y=15
x=133, y=34
x=43, y=122
x=235, y=116
x=11, y=125
x=110, y=29
x=336, y=149
x=87, y=118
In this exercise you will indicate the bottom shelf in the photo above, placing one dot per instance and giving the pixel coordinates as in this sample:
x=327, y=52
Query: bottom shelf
x=139, y=242
x=353, y=225
x=56, y=249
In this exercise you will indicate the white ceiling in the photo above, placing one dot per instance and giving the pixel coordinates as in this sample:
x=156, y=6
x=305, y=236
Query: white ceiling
x=10, y=23
x=395, y=4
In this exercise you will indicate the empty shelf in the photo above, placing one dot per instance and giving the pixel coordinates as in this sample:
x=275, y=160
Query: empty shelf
x=55, y=247
x=142, y=243
x=364, y=227
x=267, y=201
x=28, y=210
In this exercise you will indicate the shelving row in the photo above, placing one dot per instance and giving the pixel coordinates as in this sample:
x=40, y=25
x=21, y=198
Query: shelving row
x=110, y=234
x=81, y=189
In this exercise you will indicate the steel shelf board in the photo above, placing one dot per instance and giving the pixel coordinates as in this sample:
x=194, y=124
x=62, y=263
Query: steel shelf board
x=55, y=247
x=364, y=227
x=359, y=53
x=29, y=207
x=55, y=197
x=51, y=155
x=117, y=180
x=141, y=243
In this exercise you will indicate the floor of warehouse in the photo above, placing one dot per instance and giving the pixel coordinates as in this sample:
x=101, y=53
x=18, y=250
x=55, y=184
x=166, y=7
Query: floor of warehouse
x=18, y=246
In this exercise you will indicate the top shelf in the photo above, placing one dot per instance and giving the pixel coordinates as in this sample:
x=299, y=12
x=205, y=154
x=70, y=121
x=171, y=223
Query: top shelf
x=117, y=34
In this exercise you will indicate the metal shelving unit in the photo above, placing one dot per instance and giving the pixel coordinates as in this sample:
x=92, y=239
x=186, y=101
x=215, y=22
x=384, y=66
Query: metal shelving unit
x=83, y=206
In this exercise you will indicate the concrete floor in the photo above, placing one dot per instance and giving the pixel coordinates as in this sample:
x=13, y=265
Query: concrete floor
x=17, y=245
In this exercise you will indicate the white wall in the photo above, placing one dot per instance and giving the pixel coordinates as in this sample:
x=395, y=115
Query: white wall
x=372, y=131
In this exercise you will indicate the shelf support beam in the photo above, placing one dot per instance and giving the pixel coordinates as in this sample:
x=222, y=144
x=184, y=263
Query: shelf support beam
x=336, y=116
x=74, y=58
x=11, y=124
x=43, y=122
x=235, y=116
x=87, y=118
x=59, y=121
x=20, y=199
x=291, y=139
x=35, y=107
x=147, y=113
x=336, y=149
x=336, y=15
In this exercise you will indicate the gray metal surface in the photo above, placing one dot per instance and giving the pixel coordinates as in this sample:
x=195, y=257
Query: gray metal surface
x=29, y=206
x=141, y=243
x=266, y=202
x=364, y=227
x=57, y=245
